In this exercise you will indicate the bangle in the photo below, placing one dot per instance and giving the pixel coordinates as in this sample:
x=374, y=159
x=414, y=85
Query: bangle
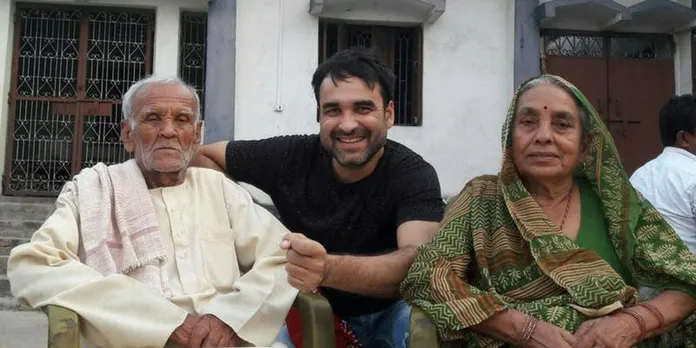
x=639, y=319
x=655, y=312
x=527, y=331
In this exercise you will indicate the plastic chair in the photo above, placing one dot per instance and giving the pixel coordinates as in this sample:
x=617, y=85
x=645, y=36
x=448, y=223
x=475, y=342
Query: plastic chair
x=64, y=324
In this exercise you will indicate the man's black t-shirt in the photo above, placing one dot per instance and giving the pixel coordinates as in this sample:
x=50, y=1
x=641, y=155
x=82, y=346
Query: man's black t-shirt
x=360, y=218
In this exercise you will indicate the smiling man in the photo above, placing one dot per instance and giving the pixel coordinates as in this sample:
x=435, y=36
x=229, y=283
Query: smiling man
x=368, y=201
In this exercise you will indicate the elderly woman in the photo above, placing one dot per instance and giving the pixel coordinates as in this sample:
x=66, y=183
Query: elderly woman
x=550, y=252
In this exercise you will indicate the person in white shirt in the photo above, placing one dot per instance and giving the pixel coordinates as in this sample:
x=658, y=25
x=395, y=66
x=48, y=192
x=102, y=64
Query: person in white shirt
x=669, y=180
x=151, y=253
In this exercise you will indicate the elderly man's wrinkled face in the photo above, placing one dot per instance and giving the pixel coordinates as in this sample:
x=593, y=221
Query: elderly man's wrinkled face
x=166, y=134
x=547, y=134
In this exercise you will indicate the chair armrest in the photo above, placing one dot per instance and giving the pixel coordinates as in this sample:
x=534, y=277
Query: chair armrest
x=63, y=327
x=423, y=332
x=315, y=313
x=317, y=320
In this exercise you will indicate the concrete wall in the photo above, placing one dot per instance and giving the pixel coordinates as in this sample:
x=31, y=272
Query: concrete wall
x=467, y=82
x=260, y=89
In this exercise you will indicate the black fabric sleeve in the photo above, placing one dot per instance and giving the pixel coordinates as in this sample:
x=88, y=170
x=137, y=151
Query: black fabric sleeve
x=257, y=162
x=420, y=197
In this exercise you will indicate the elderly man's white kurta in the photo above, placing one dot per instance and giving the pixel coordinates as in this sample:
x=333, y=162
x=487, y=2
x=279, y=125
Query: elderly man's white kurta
x=213, y=234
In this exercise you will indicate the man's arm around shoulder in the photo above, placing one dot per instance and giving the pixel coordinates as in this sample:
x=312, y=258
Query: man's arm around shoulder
x=212, y=156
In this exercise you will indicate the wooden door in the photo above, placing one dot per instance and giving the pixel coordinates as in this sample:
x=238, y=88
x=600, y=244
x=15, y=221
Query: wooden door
x=580, y=59
x=627, y=77
x=640, y=80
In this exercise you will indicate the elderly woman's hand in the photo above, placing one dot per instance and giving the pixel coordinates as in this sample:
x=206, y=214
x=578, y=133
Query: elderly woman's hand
x=613, y=331
x=550, y=336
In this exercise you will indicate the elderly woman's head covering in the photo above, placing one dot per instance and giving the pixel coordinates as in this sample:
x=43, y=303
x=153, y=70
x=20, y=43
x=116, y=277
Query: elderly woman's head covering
x=601, y=167
x=497, y=249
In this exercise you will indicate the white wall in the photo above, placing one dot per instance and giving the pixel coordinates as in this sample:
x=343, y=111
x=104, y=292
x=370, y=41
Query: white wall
x=467, y=82
x=257, y=74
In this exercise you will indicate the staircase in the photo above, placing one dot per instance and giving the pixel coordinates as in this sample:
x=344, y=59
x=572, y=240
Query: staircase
x=20, y=217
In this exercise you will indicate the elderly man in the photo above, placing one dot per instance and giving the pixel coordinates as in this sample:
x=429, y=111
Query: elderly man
x=151, y=253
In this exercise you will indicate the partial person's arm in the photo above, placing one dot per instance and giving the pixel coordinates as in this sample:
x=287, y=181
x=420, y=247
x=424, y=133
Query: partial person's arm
x=418, y=214
x=674, y=306
x=211, y=156
x=379, y=276
x=508, y=326
x=116, y=309
x=631, y=326
x=255, y=162
x=262, y=297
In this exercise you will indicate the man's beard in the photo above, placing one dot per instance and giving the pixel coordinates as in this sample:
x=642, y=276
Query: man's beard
x=372, y=150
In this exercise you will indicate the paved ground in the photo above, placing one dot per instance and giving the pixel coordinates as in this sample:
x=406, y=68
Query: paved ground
x=23, y=329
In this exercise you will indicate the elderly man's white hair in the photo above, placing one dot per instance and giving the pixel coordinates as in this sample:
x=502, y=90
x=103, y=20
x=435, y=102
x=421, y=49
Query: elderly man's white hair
x=132, y=93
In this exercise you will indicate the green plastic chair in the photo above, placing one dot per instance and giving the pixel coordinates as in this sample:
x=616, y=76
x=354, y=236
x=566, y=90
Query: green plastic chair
x=314, y=309
x=422, y=331
x=64, y=324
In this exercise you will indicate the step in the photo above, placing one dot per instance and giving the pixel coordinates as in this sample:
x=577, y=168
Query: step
x=24, y=199
x=4, y=286
x=6, y=244
x=10, y=304
x=3, y=264
x=17, y=211
x=19, y=229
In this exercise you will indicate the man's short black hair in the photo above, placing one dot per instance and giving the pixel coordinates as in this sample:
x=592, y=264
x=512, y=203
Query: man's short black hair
x=678, y=114
x=357, y=62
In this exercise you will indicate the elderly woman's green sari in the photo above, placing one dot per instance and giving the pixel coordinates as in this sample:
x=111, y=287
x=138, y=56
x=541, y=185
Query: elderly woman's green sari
x=496, y=249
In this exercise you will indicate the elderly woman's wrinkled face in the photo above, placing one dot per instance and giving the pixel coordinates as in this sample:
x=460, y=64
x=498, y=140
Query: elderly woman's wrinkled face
x=547, y=134
x=166, y=134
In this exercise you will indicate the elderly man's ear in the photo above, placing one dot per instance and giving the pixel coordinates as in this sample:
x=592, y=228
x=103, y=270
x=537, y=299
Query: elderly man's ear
x=198, y=135
x=126, y=136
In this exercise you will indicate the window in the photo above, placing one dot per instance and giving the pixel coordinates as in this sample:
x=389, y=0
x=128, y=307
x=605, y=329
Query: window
x=194, y=27
x=401, y=48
